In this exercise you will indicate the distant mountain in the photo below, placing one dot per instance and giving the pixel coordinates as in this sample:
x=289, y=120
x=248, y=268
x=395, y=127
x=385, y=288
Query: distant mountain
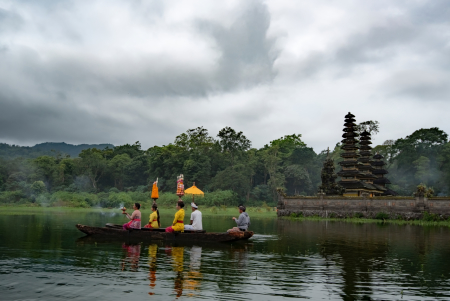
x=48, y=148
x=70, y=149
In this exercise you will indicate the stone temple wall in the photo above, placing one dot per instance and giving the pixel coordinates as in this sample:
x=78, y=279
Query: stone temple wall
x=340, y=207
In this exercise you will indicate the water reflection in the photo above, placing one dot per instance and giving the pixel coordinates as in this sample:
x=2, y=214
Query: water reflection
x=194, y=276
x=286, y=259
x=177, y=265
x=131, y=260
x=152, y=252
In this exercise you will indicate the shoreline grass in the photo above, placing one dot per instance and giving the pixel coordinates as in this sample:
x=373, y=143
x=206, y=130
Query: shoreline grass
x=443, y=223
x=211, y=211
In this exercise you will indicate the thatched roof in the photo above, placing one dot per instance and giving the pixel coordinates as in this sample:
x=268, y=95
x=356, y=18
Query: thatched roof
x=378, y=156
x=350, y=140
x=363, y=152
x=349, y=115
x=379, y=171
x=350, y=135
x=381, y=181
x=348, y=162
x=365, y=142
x=349, y=147
x=349, y=155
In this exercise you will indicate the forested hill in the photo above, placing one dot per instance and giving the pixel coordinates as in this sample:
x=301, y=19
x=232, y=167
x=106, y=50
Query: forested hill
x=48, y=148
x=224, y=165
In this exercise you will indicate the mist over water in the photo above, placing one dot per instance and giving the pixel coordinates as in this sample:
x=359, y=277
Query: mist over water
x=47, y=258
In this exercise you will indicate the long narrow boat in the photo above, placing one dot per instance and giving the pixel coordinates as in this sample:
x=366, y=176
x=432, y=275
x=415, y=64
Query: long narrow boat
x=112, y=230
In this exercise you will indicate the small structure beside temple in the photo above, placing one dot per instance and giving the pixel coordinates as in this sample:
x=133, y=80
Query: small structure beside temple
x=379, y=171
x=329, y=186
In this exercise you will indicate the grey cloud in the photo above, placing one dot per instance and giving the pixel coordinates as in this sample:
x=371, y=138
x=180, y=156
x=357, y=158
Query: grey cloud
x=247, y=54
x=375, y=45
x=246, y=59
x=425, y=85
x=433, y=11
x=68, y=94
x=10, y=21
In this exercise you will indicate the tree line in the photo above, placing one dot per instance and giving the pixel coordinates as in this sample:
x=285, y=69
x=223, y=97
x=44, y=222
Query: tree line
x=226, y=162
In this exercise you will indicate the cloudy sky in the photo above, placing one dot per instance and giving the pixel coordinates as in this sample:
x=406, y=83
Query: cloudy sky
x=117, y=72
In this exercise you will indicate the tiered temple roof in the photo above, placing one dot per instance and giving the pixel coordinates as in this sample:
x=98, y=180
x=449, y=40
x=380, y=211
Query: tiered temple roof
x=356, y=175
x=379, y=171
x=365, y=166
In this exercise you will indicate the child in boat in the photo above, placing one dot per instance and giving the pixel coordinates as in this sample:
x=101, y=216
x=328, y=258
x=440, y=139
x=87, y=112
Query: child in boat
x=153, y=222
x=178, y=221
x=135, y=218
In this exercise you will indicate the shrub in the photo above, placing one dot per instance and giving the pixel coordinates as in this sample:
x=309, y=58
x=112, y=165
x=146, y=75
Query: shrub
x=333, y=215
x=38, y=187
x=382, y=215
x=213, y=209
x=114, y=189
x=358, y=215
x=69, y=199
x=430, y=217
x=223, y=207
x=293, y=214
x=266, y=207
x=218, y=197
x=11, y=196
x=169, y=200
x=116, y=200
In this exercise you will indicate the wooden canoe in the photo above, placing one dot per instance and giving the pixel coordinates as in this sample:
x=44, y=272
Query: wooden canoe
x=111, y=231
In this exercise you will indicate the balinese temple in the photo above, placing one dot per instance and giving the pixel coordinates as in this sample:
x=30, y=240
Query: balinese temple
x=355, y=181
x=365, y=166
x=379, y=171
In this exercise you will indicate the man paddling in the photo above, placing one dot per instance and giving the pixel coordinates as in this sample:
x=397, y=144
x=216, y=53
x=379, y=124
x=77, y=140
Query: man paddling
x=243, y=222
x=196, y=219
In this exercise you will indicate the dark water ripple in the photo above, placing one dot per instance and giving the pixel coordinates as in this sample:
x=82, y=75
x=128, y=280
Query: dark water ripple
x=47, y=259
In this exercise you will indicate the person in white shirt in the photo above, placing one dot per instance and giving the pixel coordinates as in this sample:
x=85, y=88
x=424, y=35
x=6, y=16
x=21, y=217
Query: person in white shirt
x=196, y=219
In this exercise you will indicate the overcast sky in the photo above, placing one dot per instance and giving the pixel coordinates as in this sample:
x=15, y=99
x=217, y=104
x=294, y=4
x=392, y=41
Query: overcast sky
x=121, y=71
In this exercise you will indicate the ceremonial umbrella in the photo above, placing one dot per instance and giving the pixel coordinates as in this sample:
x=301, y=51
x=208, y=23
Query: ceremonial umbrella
x=194, y=191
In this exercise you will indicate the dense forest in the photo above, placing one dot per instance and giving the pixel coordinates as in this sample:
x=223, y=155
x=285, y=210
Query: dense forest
x=226, y=167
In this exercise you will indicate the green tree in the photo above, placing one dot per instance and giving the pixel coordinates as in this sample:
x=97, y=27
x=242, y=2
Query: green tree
x=38, y=188
x=93, y=165
x=422, y=166
x=233, y=143
x=118, y=166
x=373, y=127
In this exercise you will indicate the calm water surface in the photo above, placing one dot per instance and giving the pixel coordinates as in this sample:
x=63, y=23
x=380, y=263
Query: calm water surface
x=44, y=257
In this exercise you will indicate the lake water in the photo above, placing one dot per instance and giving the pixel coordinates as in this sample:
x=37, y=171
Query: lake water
x=44, y=257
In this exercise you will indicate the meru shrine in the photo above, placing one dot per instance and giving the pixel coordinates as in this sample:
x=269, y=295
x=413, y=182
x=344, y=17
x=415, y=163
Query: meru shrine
x=359, y=173
x=361, y=190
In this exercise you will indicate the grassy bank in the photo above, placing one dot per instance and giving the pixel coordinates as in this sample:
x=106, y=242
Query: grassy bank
x=443, y=223
x=211, y=211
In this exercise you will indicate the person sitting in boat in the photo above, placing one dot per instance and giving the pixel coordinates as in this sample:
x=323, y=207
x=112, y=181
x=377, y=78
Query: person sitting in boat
x=178, y=221
x=154, y=222
x=135, y=218
x=243, y=222
x=196, y=219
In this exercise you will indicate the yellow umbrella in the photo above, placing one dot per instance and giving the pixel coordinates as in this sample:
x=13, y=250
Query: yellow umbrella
x=194, y=191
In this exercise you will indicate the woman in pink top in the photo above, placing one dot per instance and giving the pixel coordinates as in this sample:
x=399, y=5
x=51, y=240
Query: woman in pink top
x=135, y=218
